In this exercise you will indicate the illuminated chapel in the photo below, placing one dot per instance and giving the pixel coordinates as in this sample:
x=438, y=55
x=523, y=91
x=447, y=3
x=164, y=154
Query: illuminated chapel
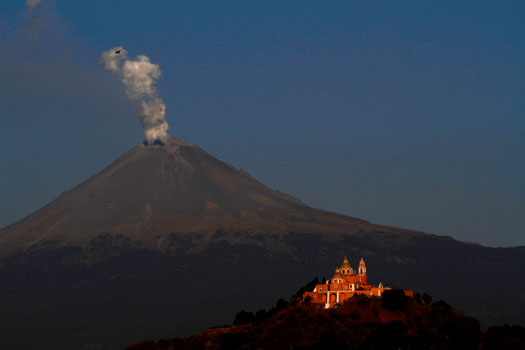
x=346, y=283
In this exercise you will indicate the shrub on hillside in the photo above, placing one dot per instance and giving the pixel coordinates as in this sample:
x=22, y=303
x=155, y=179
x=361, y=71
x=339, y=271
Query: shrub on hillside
x=441, y=305
x=260, y=316
x=427, y=299
x=281, y=304
x=394, y=299
x=504, y=337
x=306, y=288
x=243, y=317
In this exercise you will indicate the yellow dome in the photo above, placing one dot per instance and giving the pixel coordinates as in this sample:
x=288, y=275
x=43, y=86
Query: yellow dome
x=346, y=264
x=337, y=276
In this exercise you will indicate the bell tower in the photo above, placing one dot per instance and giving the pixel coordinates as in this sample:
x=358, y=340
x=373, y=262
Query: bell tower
x=362, y=271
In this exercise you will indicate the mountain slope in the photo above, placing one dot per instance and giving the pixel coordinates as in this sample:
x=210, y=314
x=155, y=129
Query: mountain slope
x=156, y=190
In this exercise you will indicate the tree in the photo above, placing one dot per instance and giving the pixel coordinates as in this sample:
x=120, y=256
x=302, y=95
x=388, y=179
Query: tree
x=260, y=316
x=306, y=288
x=394, y=299
x=417, y=297
x=281, y=304
x=243, y=317
x=427, y=299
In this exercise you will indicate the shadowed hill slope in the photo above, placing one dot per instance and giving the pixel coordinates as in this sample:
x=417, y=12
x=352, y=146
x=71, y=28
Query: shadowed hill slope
x=360, y=323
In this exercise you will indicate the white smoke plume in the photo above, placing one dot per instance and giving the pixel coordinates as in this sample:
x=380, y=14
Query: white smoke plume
x=140, y=77
x=31, y=4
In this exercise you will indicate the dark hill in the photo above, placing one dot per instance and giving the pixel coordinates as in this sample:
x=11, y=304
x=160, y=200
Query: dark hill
x=169, y=240
x=360, y=323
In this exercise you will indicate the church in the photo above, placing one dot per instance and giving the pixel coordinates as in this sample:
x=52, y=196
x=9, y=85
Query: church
x=346, y=283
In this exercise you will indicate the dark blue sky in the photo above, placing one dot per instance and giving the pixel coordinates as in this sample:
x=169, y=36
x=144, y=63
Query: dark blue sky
x=403, y=113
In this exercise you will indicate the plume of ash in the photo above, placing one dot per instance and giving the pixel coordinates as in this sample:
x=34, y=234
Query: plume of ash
x=31, y=4
x=140, y=77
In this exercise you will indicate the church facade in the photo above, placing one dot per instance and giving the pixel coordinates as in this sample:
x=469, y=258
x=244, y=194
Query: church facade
x=345, y=283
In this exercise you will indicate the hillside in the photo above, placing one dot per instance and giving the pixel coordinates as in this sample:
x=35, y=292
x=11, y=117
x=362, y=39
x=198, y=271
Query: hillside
x=360, y=323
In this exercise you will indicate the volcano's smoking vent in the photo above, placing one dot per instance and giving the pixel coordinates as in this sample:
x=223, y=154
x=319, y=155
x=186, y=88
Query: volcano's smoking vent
x=140, y=77
x=31, y=4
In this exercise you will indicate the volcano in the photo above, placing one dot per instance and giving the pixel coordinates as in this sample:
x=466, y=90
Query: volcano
x=168, y=240
x=152, y=191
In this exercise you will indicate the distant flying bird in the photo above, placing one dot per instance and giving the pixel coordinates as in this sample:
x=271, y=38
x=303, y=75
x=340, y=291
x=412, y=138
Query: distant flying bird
x=118, y=51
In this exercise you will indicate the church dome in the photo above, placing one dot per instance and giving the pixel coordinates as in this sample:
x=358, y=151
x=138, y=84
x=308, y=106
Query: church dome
x=346, y=266
x=337, y=276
